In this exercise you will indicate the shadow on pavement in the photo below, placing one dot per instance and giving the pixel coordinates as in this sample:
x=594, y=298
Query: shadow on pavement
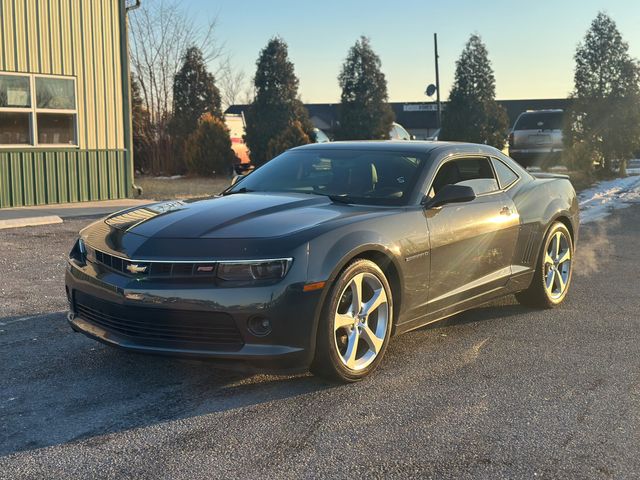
x=59, y=386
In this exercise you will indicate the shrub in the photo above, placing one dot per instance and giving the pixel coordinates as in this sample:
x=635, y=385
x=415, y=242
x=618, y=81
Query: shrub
x=208, y=149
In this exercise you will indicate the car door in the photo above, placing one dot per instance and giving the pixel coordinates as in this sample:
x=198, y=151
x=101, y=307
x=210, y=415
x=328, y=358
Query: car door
x=472, y=243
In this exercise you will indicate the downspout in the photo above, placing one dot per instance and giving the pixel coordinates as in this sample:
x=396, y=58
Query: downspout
x=126, y=97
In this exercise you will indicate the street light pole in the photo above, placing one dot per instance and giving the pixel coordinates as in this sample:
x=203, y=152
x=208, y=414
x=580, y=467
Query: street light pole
x=435, y=44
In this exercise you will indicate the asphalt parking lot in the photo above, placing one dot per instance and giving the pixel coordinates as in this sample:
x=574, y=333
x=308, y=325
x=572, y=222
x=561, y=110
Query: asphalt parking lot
x=498, y=392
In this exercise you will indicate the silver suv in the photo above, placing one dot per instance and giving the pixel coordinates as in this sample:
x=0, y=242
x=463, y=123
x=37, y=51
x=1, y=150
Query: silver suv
x=536, y=137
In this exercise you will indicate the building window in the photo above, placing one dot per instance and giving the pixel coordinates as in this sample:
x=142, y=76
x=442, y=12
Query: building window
x=38, y=110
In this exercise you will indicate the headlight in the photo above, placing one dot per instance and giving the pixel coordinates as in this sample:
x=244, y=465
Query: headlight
x=254, y=270
x=79, y=252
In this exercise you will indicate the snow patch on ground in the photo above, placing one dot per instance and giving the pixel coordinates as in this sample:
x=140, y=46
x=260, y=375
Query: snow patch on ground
x=600, y=200
x=172, y=177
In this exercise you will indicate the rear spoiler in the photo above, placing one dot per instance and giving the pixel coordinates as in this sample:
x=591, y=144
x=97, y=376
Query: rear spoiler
x=549, y=175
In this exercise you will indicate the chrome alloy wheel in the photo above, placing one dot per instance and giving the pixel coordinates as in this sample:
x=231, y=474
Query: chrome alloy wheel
x=361, y=320
x=557, y=264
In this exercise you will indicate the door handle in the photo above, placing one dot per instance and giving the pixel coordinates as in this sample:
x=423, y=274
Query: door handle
x=505, y=211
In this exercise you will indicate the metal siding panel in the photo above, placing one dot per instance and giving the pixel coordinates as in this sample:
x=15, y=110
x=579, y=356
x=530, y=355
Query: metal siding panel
x=51, y=177
x=112, y=79
x=40, y=34
x=3, y=45
x=102, y=174
x=83, y=175
x=20, y=37
x=77, y=66
x=8, y=17
x=72, y=176
x=54, y=30
x=92, y=163
x=26, y=175
x=35, y=178
x=65, y=38
x=113, y=175
x=99, y=81
x=62, y=174
x=40, y=178
x=117, y=70
x=35, y=36
x=122, y=177
x=15, y=164
x=107, y=79
x=88, y=60
x=5, y=181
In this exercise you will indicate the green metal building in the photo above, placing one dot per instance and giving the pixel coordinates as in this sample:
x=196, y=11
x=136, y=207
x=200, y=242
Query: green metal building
x=65, y=121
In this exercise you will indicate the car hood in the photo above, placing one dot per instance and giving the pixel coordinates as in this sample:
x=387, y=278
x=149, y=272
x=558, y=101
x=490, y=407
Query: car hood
x=243, y=215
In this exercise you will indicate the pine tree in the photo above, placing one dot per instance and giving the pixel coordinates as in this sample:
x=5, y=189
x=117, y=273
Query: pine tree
x=364, y=111
x=194, y=94
x=276, y=106
x=208, y=149
x=472, y=113
x=603, y=125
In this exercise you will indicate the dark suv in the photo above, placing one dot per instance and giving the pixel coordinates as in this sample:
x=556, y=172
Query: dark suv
x=536, y=137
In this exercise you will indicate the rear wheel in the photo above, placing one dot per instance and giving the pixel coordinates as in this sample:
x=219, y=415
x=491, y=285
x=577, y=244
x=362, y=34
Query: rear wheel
x=553, y=273
x=355, y=325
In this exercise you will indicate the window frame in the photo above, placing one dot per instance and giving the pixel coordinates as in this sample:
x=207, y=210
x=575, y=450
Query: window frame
x=510, y=185
x=462, y=156
x=33, y=111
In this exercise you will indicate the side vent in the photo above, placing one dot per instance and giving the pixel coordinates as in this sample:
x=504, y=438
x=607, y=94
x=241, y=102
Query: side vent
x=528, y=256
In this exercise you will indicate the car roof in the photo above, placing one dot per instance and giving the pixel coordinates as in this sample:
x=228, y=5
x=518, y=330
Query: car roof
x=403, y=146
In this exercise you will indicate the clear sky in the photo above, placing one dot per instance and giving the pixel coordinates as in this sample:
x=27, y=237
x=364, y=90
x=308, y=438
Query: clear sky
x=531, y=44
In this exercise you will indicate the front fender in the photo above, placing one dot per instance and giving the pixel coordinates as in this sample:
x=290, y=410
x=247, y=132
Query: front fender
x=398, y=238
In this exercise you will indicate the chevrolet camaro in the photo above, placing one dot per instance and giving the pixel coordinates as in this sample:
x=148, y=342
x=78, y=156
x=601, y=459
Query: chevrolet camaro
x=316, y=259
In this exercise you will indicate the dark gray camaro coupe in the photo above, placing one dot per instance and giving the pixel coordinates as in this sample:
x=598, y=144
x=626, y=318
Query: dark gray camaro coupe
x=317, y=258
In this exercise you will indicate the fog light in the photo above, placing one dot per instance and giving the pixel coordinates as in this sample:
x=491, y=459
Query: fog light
x=259, y=326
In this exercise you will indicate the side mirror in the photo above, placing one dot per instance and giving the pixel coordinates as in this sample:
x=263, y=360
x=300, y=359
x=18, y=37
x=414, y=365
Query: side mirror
x=451, y=194
x=413, y=137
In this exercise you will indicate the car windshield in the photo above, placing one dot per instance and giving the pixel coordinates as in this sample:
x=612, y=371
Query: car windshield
x=539, y=121
x=351, y=176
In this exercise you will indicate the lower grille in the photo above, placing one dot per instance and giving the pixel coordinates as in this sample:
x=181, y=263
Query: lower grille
x=161, y=327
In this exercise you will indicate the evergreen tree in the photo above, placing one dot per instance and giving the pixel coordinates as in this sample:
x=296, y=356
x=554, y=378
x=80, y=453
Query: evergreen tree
x=364, y=111
x=194, y=94
x=472, y=113
x=291, y=136
x=208, y=149
x=276, y=106
x=603, y=125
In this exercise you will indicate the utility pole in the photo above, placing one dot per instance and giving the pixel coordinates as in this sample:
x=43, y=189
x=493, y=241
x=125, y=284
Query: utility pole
x=435, y=45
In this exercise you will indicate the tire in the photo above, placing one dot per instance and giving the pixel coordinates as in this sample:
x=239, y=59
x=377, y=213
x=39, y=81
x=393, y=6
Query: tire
x=554, y=268
x=349, y=347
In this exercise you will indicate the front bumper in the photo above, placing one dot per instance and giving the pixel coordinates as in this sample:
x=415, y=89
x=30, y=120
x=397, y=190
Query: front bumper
x=148, y=316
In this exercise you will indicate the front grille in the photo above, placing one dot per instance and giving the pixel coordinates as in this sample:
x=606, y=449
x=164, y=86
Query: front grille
x=152, y=269
x=161, y=327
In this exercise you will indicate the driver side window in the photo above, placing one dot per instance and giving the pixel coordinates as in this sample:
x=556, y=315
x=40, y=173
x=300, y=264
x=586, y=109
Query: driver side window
x=474, y=172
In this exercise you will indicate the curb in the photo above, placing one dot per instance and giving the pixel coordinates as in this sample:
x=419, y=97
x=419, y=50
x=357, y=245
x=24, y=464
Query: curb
x=29, y=221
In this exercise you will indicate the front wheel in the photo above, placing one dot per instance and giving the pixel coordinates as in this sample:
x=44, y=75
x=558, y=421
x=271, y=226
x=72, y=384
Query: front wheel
x=552, y=278
x=355, y=326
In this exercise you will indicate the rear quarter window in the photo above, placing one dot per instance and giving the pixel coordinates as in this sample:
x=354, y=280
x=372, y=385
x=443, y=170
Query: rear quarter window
x=505, y=175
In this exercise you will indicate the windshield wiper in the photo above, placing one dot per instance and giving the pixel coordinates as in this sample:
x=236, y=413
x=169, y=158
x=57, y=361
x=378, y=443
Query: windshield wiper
x=341, y=199
x=240, y=190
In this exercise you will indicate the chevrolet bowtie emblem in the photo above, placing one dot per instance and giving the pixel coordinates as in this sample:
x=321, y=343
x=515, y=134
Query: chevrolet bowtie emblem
x=135, y=268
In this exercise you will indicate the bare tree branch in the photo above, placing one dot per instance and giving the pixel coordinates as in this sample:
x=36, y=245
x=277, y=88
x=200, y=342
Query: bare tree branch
x=161, y=32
